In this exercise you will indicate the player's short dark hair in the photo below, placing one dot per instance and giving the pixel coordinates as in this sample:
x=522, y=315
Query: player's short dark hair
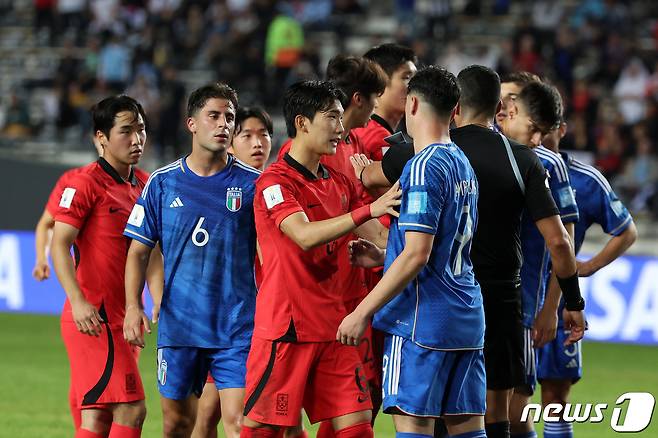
x=479, y=90
x=436, y=86
x=257, y=112
x=200, y=96
x=306, y=98
x=543, y=104
x=521, y=78
x=354, y=74
x=105, y=111
x=391, y=56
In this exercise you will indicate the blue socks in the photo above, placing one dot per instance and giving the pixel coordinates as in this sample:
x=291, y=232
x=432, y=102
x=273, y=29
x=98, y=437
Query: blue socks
x=558, y=430
x=411, y=435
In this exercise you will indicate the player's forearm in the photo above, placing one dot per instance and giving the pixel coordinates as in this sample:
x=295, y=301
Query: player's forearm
x=559, y=245
x=65, y=270
x=42, y=236
x=155, y=275
x=553, y=295
x=136, y=266
x=401, y=272
x=373, y=176
x=615, y=247
x=308, y=235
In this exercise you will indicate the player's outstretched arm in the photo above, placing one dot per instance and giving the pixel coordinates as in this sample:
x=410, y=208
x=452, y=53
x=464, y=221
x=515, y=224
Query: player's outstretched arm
x=86, y=316
x=307, y=234
x=414, y=256
x=155, y=281
x=369, y=172
x=615, y=247
x=136, y=265
x=42, y=238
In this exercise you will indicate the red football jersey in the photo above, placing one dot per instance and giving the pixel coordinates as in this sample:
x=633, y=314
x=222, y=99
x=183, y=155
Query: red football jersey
x=97, y=201
x=351, y=278
x=56, y=194
x=300, y=295
x=371, y=138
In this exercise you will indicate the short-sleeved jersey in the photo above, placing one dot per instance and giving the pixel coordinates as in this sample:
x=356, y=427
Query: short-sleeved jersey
x=442, y=307
x=597, y=204
x=52, y=205
x=300, y=295
x=205, y=227
x=97, y=201
x=536, y=257
x=351, y=277
x=371, y=137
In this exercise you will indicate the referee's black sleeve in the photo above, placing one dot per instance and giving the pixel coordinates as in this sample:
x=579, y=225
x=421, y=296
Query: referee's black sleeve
x=538, y=199
x=395, y=159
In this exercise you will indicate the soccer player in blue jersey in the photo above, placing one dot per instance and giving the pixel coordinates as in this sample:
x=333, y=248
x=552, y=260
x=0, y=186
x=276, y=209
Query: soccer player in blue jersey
x=535, y=112
x=199, y=209
x=428, y=302
x=560, y=366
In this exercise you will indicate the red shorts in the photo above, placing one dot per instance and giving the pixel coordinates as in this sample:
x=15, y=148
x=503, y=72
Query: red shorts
x=324, y=378
x=209, y=379
x=103, y=369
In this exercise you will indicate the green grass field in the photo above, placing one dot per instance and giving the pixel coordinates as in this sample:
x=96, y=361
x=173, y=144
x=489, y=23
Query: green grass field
x=34, y=381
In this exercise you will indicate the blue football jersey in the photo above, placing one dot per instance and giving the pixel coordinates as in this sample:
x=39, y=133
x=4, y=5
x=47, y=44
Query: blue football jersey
x=597, y=204
x=535, y=270
x=442, y=307
x=205, y=227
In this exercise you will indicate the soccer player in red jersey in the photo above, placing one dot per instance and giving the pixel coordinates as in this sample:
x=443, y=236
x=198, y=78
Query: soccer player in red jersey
x=399, y=63
x=362, y=81
x=301, y=209
x=92, y=214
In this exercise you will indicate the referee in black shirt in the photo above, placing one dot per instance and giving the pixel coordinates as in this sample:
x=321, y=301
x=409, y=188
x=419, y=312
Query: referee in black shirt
x=511, y=179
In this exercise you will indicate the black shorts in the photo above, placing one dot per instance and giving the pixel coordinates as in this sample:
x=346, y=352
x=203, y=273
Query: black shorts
x=503, y=337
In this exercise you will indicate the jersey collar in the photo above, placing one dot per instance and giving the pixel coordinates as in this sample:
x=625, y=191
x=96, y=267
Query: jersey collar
x=107, y=167
x=303, y=170
x=382, y=122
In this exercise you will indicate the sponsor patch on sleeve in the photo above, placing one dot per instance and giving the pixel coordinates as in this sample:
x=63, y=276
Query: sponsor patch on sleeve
x=417, y=203
x=136, y=218
x=565, y=197
x=273, y=196
x=67, y=197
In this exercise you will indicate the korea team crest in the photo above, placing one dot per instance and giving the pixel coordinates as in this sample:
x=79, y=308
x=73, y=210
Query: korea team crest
x=234, y=198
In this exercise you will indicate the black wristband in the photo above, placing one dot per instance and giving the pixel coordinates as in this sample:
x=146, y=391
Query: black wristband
x=571, y=292
x=361, y=175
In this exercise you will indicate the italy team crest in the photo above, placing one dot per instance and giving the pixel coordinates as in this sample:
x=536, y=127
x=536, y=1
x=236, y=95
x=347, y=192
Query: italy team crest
x=234, y=198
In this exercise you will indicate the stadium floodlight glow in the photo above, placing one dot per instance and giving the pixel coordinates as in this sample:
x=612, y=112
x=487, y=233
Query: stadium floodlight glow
x=639, y=412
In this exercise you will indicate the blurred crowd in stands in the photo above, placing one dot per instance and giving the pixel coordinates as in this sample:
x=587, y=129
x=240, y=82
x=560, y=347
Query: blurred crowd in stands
x=602, y=54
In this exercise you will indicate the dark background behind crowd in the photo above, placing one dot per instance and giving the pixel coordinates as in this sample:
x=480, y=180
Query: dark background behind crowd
x=57, y=57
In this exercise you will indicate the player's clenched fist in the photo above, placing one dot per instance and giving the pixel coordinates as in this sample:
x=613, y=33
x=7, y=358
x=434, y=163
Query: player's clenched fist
x=387, y=202
x=132, y=326
x=41, y=271
x=86, y=317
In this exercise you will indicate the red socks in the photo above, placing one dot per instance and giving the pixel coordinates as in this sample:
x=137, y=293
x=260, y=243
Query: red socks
x=363, y=430
x=121, y=431
x=261, y=432
x=84, y=433
x=326, y=430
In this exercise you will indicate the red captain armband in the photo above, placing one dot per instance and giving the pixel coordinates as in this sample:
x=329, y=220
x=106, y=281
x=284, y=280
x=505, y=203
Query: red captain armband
x=361, y=215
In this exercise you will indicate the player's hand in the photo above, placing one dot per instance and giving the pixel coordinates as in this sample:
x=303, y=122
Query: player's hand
x=359, y=162
x=86, y=317
x=545, y=327
x=585, y=269
x=574, y=321
x=132, y=325
x=352, y=328
x=155, y=313
x=366, y=254
x=41, y=271
x=386, y=203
